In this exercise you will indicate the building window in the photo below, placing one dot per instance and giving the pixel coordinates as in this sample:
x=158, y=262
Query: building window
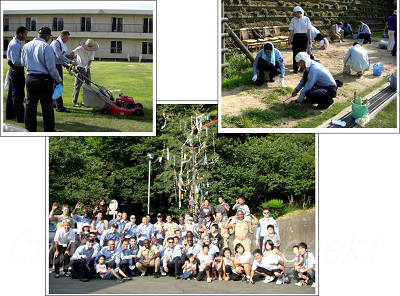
x=116, y=24
x=58, y=24
x=6, y=24
x=31, y=23
x=5, y=46
x=147, y=47
x=147, y=25
x=116, y=47
x=86, y=24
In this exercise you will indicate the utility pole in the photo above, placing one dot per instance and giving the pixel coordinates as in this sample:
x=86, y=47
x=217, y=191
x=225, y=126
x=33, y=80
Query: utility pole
x=150, y=157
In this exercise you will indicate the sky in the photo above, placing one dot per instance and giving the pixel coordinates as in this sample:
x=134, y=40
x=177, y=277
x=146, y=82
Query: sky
x=37, y=5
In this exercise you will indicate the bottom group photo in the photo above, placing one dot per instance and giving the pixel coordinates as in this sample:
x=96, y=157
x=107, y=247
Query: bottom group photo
x=189, y=211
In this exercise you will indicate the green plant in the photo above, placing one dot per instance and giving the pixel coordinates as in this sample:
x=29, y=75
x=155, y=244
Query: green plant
x=276, y=207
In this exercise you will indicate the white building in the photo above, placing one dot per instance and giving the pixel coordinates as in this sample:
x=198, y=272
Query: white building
x=121, y=34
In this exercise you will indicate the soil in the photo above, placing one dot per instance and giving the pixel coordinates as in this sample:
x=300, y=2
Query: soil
x=237, y=100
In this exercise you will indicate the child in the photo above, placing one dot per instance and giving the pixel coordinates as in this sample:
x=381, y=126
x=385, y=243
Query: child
x=205, y=264
x=189, y=268
x=217, y=266
x=273, y=236
x=228, y=263
x=109, y=274
x=298, y=259
x=215, y=237
x=240, y=205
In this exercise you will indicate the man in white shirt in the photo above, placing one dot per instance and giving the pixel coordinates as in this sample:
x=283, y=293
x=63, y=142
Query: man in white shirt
x=63, y=239
x=305, y=273
x=262, y=228
x=264, y=268
x=84, y=57
x=356, y=59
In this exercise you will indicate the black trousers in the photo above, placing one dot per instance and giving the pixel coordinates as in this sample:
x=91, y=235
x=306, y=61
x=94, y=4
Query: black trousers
x=111, y=264
x=263, y=66
x=347, y=33
x=62, y=260
x=80, y=270
x=124, y=266
x=59, y=103
x=366, y=37
x=394, y=50
x=202, y=274
x=178, y=265
x=320, y=95
x=232, y=276
x=39, y=88
x=310, y=274
x=171, y=268
x=299, y=44
x=16, y=95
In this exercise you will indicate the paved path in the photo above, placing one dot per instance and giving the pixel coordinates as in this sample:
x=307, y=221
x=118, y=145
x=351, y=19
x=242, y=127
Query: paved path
x=169, y=285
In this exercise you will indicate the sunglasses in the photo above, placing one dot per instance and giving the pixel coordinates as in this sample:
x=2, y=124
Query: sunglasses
x=170, y=242
x=133, y=218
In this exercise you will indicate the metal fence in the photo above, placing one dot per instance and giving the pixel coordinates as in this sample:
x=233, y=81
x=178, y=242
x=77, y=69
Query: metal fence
x=125, y=28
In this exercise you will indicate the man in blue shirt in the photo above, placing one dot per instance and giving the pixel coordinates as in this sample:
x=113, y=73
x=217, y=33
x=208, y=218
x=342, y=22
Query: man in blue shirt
x=110, y=234
x=16, y=93
x=81, y=260
x=110, y=254
x=60, y=50
x=348, y=30
x=270, y=60
x=172, y=255
x=364, y=33
x=38, y=58
x=391, y=26
x=80, y=220
x=319, y=86
x=144, y=231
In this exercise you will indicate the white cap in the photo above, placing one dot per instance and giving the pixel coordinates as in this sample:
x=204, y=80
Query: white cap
x=303, y=56
x=298, y=8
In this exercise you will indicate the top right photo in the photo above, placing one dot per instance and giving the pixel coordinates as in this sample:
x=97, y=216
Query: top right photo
x=308, y=66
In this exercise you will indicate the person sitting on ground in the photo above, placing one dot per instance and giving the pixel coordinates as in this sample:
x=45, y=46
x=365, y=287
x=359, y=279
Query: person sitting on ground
x=305, y=274
x=130, y=228
x=189, y=268
x=215, y=237
x=262, y=228
x=276, y=256
x=109, y=274
x=319, y=86
x=229, y=264
x=80, y=220
x=169, y=228
x=59, y=218
x=148, y=258
x=273, y=236
x=110, y=254
x=269, y=60
x=144, y=231
x=336, y=32
x=347, y=29
x=81, y=261
x=205, y=264
x=110, y=234
x=356, y=59
x=264, y=268
x=63, y=241
x=99, y=225
x=101, y=207
x=123, y=259
x=242, y=257
x=364, y=33
x=172, y=258
x=217, y=266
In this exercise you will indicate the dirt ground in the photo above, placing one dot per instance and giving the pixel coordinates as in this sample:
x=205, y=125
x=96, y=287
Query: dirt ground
x=237, y=100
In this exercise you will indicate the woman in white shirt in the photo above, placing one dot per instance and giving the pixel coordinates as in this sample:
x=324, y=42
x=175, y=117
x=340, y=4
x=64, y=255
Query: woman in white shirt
x=300, y=34
x=243, y=257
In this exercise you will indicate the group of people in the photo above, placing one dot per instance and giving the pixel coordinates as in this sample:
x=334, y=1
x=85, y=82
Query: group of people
x=317, y=85
x=44, y=66
x=198, y=247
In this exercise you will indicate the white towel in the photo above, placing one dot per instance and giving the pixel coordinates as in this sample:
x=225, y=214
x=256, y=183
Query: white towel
x=63, y=46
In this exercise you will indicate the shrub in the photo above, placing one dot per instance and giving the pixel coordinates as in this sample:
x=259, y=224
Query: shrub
x=276, y=207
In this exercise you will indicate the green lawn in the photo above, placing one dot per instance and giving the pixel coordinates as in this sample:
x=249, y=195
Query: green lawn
x=133, y=79
x=386, y=118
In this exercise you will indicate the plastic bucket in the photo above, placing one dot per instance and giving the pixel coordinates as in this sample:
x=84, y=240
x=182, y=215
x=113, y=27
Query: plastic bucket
x=358, y=111
x=377, y=69
x=393, y=81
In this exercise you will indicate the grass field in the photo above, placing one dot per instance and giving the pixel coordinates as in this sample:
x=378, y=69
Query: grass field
x=386, y=118
x=132, y=79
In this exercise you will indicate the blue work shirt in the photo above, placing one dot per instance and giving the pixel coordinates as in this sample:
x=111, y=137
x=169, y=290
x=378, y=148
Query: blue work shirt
x=83, y=250
x=14, y=52
x=107, y=253
x=392, y=21
x=174, y=252
x=157, y=230
x=347, y=28
x=80, y=220
x=364, y=29
x=124, y=255
x=59, y=53
x=130, y=230
x=38, y=58
x=278, y=61
x=147, y=232
x=99, y=225
x=121, y=224
x=107, y=235
x=317, y=75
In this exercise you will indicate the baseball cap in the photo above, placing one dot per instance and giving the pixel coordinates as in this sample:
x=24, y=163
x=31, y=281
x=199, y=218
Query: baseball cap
x=159, y=215
x=115, y=225
x=45, y=31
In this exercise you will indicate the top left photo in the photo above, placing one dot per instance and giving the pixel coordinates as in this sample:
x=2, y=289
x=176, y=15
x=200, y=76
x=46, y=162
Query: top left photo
x=71, y=69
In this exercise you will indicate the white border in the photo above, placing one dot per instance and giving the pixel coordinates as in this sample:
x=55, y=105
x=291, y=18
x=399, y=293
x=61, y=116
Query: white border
x=67, y=134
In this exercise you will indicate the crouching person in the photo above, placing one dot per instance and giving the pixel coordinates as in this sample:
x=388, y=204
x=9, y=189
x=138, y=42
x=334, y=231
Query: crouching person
x=82, y=260
x=63, y=241
x=148, y=258
x=356, y=59
x=319, y=86
x=109, y=274
x=270, y=60
x=124, y=258
x=205, y=264
x=305, y=273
